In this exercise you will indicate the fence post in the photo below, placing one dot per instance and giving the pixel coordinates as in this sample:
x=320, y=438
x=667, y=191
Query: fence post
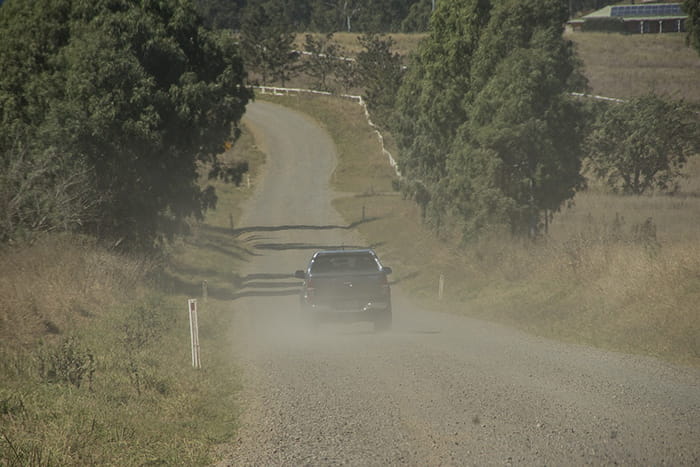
x=205, y=291
x=194, y=332
x=441, y=286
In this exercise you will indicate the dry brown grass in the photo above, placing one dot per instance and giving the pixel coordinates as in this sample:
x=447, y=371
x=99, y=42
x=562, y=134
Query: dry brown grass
x=59, y=282
x=625, y=66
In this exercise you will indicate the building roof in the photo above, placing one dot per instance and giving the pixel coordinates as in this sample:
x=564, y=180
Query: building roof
x=649, y=11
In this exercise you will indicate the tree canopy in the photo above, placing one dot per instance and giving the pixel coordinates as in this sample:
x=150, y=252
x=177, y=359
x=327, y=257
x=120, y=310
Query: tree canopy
x=380, y=72
x=361, y=16
x=483, y=120
x=267, y=44
x=692, y=8
x=137, y=95
x=318, y=15
x=643, y=144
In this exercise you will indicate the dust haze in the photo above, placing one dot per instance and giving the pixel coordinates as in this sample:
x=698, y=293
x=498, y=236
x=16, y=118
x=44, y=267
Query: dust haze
x=435, y=390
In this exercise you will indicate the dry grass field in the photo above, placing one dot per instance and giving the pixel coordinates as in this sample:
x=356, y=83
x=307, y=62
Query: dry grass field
x=623, y=66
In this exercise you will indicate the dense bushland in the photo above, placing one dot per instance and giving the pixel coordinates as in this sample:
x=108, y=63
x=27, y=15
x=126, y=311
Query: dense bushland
x=108, y=110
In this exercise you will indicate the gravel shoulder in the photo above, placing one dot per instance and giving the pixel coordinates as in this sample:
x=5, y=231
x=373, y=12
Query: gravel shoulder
x=438, y=389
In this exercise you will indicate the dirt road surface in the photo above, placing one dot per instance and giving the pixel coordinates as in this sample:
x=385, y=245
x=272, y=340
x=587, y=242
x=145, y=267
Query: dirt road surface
x=438, y=389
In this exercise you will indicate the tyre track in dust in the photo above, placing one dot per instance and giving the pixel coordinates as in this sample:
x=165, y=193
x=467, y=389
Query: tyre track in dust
x=436, y=390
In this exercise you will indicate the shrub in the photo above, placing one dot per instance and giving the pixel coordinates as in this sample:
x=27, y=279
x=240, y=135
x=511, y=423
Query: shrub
x=68, y=362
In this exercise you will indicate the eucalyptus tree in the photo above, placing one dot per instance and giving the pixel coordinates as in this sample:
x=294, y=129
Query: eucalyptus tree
x=643, y=144
x=267, y=44
x=322, y=59
x=380, y=72
x=484, y=120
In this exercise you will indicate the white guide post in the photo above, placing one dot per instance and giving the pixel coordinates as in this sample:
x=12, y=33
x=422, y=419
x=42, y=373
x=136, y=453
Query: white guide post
x=194, y=332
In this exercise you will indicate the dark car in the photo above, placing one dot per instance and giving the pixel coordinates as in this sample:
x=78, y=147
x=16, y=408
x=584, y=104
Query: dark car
x=346, y=285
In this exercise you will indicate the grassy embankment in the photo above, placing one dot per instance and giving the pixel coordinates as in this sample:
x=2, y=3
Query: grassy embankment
x=95, y=363
x=604, y=276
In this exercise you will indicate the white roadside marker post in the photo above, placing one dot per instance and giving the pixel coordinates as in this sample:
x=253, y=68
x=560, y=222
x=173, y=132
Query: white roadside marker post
x=441, y=286
x=194, y=332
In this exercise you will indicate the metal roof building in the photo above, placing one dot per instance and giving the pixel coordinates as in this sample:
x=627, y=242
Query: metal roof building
x=639, y=19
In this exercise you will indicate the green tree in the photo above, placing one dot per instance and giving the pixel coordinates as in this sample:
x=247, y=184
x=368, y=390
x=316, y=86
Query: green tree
x=380, y=72
x=221, y=14
x=532, y=132
x=432, y=101
x=484, y=120
x=322, y=60
x=337, y=15
x=418, y=17
x=267, y=45
x=346, y=74
x=692, y=25
x=137, y=95
x=643, y=144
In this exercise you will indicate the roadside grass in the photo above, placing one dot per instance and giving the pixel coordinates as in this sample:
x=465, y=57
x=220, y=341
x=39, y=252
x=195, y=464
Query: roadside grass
x=617, y=272
x=95, y=365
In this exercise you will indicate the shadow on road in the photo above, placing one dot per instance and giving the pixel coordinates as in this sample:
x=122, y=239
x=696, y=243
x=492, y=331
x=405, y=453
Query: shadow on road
x=278, y=228
x=301, y=246
x=171, y=283
x=266, y=285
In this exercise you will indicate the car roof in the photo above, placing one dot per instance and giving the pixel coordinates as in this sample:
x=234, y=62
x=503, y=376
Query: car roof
x=348, y=251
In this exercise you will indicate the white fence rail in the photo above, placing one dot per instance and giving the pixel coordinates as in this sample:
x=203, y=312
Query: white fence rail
x=277, y=91
x=600, y=98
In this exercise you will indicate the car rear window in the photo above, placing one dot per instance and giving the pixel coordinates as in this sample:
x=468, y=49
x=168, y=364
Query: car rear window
x=344, y=263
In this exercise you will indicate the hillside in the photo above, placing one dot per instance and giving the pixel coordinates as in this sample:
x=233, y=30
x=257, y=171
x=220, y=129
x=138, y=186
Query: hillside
x=629, y=65
x=616, y=65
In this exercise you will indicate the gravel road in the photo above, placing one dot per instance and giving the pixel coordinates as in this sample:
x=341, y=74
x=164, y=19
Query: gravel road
x=438, y=389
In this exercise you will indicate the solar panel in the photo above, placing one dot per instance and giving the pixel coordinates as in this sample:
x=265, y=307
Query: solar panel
x=668, y=9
